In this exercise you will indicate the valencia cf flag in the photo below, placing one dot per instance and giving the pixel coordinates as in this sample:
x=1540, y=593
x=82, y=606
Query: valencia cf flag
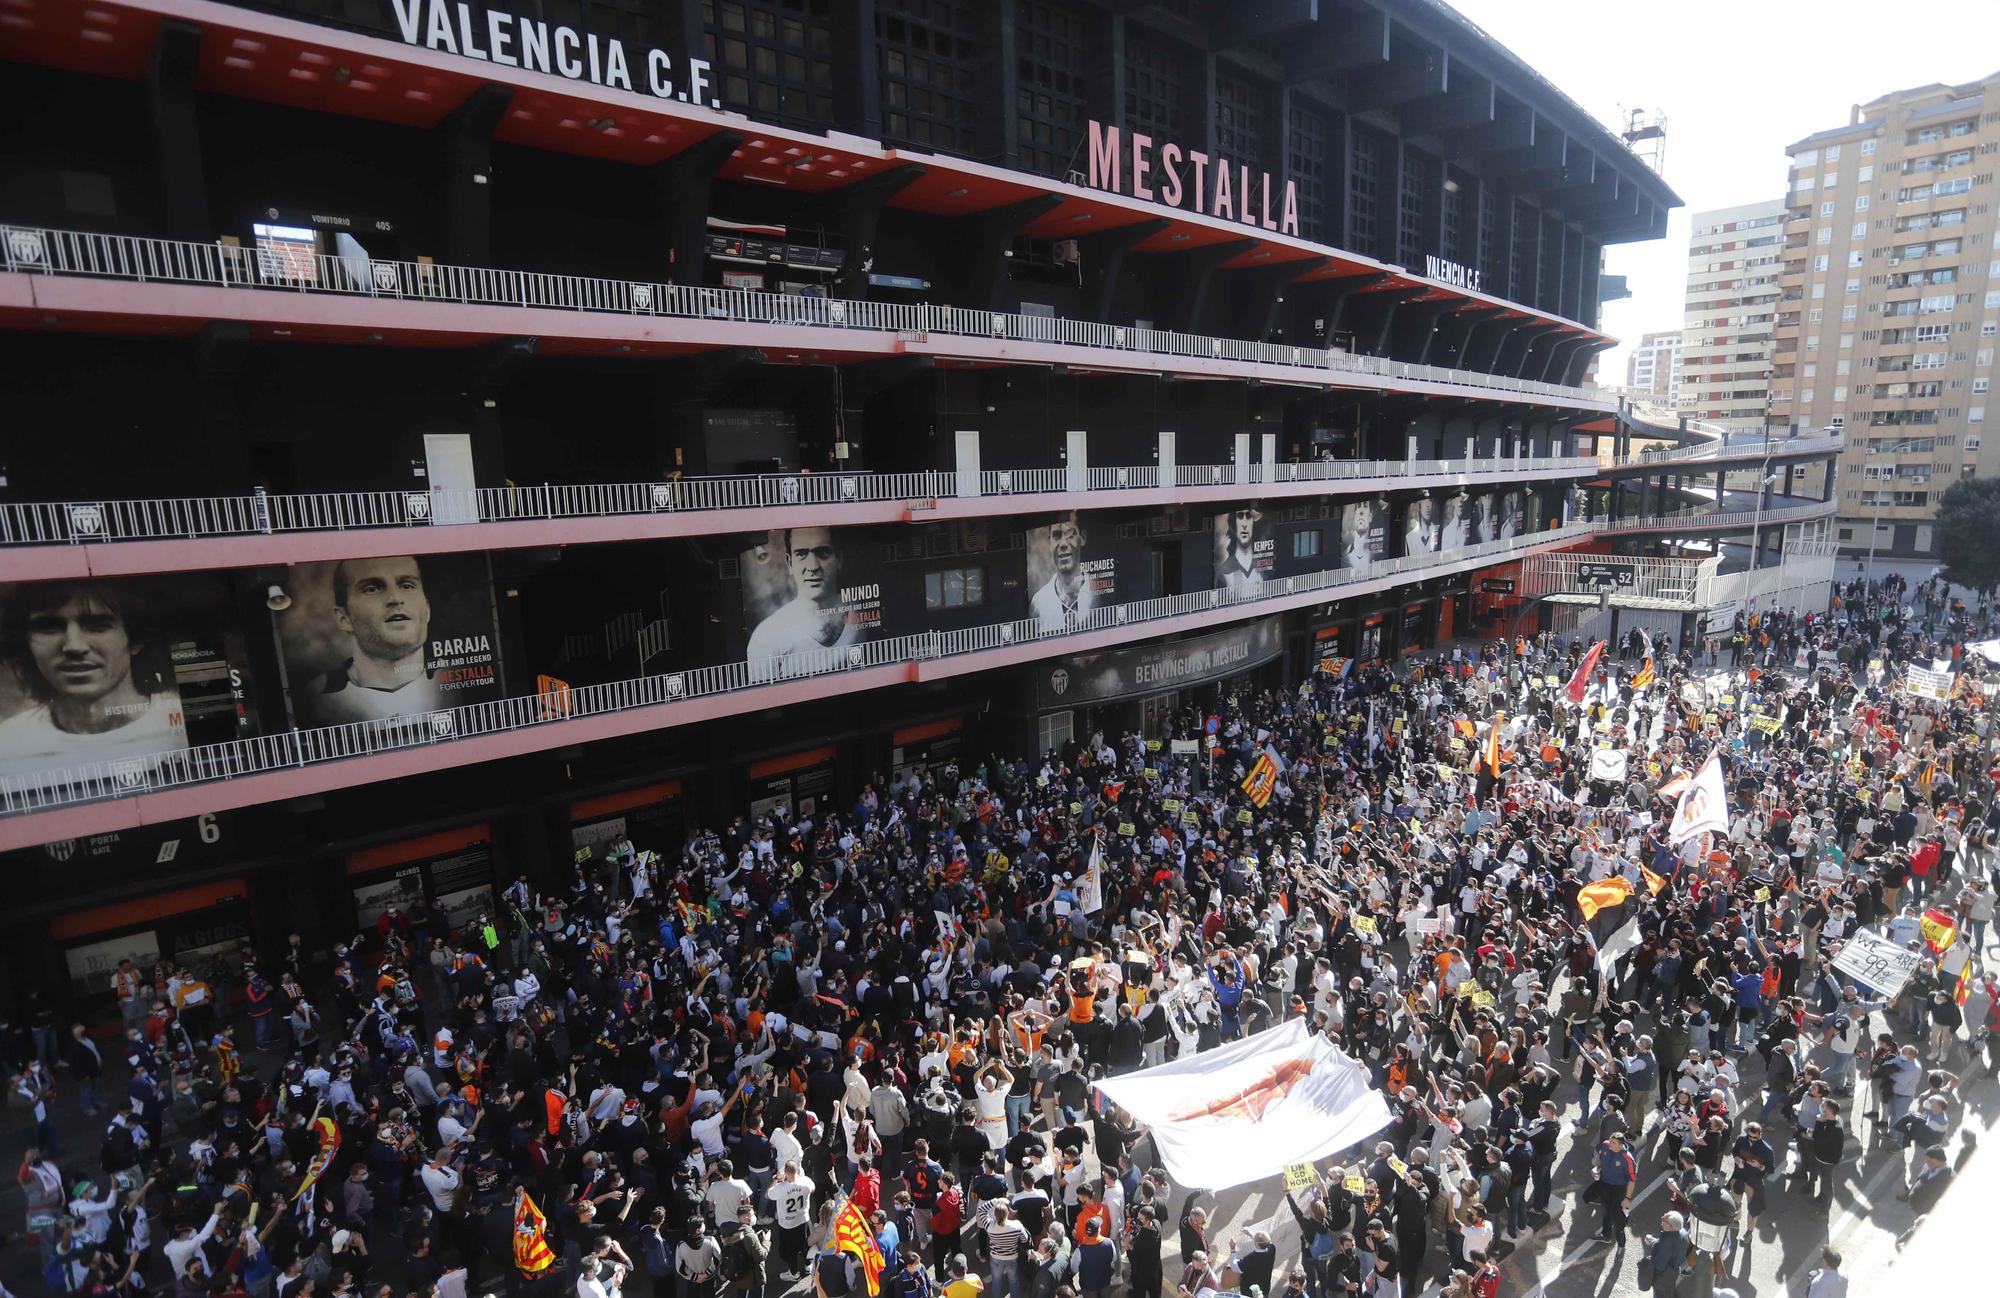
x=1593, y=897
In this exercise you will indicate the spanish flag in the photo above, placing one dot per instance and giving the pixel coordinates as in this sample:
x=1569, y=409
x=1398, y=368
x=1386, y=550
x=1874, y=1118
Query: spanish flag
x=532, y=1253
x=1940, y=930
x=1645, y=676
x=851, y=1235
x=1263, y=778
x=1593, y=897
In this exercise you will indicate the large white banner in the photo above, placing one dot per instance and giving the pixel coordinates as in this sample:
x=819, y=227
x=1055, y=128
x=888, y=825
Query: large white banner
x=1876, y=962
x=1252, y=1108
x=1928, y=683
x=1704, y=805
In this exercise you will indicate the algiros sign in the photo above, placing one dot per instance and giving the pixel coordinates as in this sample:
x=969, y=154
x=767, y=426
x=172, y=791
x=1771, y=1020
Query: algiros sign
x=480, y=31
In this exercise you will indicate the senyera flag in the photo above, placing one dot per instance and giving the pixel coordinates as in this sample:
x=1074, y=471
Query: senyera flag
x=532, y=1254
x=1252, y=1108
x=851, y=1234
x=1262, y=779
x=1579, y=683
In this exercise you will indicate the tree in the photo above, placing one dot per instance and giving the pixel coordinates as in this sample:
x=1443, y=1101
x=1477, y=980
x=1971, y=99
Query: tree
x=1968, y=532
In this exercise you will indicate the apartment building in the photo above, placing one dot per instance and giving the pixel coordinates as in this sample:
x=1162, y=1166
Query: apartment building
x=1730, y=310
x=1890, y=304
x=1653, y=370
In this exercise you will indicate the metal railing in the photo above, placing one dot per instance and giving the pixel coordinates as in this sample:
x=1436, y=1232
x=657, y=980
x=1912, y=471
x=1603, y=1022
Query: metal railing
x=111, y=256
x=1726, y=450
x=1771, y=516
x=80, y=522
x=289, y=749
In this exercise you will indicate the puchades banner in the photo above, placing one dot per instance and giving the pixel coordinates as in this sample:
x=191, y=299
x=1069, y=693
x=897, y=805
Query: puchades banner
x=1252, y=1108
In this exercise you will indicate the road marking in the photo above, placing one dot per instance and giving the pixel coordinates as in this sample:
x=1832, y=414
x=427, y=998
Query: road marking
x=1542, y=1283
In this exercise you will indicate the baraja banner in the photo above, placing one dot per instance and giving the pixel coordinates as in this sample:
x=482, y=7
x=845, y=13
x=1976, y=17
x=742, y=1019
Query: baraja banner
x=1252, y=1108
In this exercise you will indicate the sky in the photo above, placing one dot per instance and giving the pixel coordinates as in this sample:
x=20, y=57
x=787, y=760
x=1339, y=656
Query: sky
x=1738, y=80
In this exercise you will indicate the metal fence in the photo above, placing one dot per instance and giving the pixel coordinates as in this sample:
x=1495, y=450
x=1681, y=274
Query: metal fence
x=1771, y=515
x=45, y=790
x=80, y=522
x=112, y=256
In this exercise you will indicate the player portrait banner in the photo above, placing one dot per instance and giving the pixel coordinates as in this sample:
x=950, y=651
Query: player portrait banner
x=1246, y=554
x=126, y=673
x=1454, y=526
x=393, y=636
x=1364, y=533
x=810, y=595
x=1252, y=1108
x=1420, y=526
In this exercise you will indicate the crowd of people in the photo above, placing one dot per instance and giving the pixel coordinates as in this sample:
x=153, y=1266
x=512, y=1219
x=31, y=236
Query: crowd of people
x=690, y=1058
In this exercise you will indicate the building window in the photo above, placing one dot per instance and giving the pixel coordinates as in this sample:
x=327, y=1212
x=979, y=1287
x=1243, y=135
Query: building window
x=1239, y=121
x=1308, y=161
x=1868, y=148
x=955, y=588
x=1305, y=543
x=1419, y=179
x=1054, y=84
x=1055, y=729
x=773, y=58
x=1364, y=188
x=1159, y=89
x=927, y=49
x=1826, y=208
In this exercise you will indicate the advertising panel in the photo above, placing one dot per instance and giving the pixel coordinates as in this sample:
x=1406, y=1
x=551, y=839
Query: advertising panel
x=1364, y=533
x=798, y=783
x=1152, y=668
x=454, y=869
x=810, y=594
x=396, y=636
x=1072, y=570
x=117, y=671
x=1420, y=526
x=1245, y=552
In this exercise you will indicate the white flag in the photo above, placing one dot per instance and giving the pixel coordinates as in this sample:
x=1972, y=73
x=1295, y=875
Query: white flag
x=1090, y=893
x=1252, y=1108
x=1703, y=805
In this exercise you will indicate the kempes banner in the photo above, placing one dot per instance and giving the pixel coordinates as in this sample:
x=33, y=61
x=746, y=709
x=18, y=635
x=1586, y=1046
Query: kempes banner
x=1248, y=1110
x=117, y=671
x=1147, y=669
x=1246, y=553
x=809, y=595
x=397, y=636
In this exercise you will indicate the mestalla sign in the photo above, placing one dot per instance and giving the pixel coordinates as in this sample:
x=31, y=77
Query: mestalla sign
x=491, y=34
x=1162, y=171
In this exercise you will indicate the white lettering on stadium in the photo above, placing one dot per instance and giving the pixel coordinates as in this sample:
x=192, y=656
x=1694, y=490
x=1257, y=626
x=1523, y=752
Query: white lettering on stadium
x=1450, y=272
x=477, y=644
x=537, y=46
x=1188, y=180
x=856, y=594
